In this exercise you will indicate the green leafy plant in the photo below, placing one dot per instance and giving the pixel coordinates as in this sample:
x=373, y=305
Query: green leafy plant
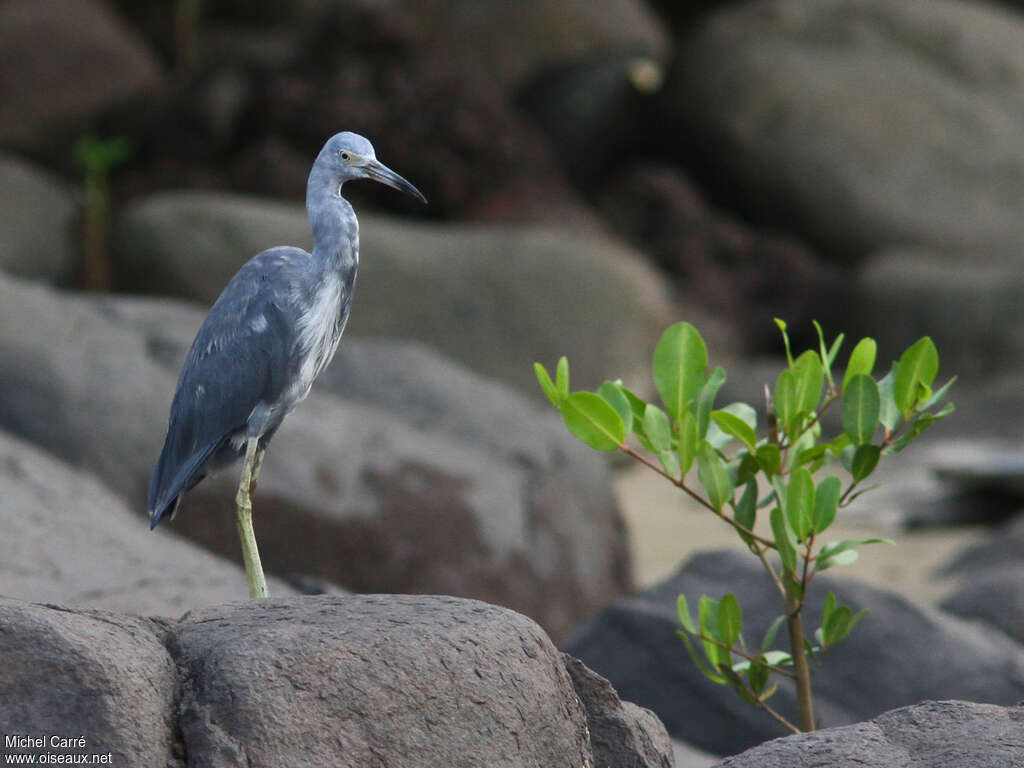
x=782, y=466
x=96, y=158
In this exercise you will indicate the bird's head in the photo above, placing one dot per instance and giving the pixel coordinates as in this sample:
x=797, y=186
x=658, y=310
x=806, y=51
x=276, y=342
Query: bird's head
x=349, y=156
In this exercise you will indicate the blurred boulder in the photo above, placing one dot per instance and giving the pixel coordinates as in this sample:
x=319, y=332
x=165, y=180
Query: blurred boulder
x=87, y=673
x=514, y=294
x=38, y=214
x=932, y=734
x=514, y=510
x=992, y=579
x=417, y=681
x=71, y=541
x=858, y=124
x=512, y=42
x=634, y=644
x=741, y=274
x=62, y=62
x=969, y=302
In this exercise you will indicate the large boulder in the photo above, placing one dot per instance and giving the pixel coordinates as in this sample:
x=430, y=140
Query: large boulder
x=62, y=62
x=69, y=540
x=932, y=734
x=857, y=122
x=514, y=294
x=939, y=292
x=634, y=644
x=37, y=218
x=87, y=674
x=366, y=680
x=435, y=481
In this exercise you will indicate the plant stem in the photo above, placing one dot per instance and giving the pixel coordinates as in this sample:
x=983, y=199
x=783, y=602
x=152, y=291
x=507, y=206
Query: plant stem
x=678, y=483
x=805, y=705
x=778, y=717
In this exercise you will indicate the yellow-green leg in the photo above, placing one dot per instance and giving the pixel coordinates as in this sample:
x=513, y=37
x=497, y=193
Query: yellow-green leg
x=250, y=552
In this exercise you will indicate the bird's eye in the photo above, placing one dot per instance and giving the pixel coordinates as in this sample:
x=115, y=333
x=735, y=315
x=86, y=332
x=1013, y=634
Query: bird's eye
x=344, y=156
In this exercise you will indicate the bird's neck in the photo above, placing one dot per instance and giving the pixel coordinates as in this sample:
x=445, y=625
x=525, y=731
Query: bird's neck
x=334, y=224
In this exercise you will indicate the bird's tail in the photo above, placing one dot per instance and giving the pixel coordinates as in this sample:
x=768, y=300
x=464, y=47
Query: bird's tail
x=170, y=480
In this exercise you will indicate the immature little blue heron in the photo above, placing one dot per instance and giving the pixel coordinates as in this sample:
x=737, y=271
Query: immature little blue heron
x=269, y=334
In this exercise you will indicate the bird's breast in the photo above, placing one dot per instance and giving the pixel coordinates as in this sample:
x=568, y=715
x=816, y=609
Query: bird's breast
x=320, y=325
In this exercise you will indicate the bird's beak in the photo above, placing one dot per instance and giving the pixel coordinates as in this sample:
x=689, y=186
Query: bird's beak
x=377, y=171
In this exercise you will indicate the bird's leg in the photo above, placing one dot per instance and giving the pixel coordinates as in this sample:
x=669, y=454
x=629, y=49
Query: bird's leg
x=250, y=552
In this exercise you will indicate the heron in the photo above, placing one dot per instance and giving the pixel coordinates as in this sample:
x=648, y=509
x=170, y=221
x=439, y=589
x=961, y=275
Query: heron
x=272, y=330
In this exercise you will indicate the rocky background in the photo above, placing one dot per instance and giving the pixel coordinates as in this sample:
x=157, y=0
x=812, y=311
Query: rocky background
x=596, y=171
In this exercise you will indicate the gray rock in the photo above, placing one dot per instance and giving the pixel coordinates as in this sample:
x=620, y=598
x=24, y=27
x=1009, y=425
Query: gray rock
x=634, y=644
x=622, y=734
x=443, y=483
x=932, y=734
x=63, y=61
x=510, y=42
x=495, y=299
x=98, y=675
x=69, y=540
x=858, y=123
x=363, y=680
x=37, y=219
x=933, y=291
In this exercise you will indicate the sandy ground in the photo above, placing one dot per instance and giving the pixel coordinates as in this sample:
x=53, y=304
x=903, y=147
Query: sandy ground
x=665, y=526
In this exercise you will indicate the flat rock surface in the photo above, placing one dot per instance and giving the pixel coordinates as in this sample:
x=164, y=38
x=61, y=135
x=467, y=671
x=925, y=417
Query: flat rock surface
x=411, y=681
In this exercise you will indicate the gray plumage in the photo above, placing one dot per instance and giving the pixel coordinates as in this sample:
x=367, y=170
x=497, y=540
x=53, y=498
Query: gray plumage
x=275, y=326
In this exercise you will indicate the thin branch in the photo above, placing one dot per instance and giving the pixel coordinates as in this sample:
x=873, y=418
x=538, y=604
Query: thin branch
x=694, y=495
x=752, y=659
x=768, y=567
x=777, y=716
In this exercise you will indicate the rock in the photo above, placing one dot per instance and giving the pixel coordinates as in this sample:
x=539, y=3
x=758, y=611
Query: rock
x=512, y=42
x=63, y=62
x=489, y=497
x=741, y=275
x=412, y=681
x=69, y=540
x=925, y=290
x=857, y=124
x=37, y=220
x=992, y=579
x=633, y=643
x=98, y=675
x=689, y=757
x=932, y=734
x=621, y=733
x=516, y=294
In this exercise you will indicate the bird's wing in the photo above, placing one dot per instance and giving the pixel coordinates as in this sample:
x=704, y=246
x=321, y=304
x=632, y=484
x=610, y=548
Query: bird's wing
x=239, y=358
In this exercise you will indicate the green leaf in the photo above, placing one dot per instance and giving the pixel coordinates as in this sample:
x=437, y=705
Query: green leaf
x=562, y=377
x=862, y=361
x=800, y=502
x=773, y=630
x=786, y=400
x=705, y=670
x=889, y=414
x=688, y=440
x=785, y=339
x=827, y=356
x=657, y=428
x=810, y=378
x=770, y=458
x=861, y=407
x=707, y=616
x=937, y=396
x=914, y=375
x=828, y=609
x=733, y=425
x=759, y=674
x=826, y=503
x=785, y=539
x=746, y=510
x=729, y=619
x=865, y=459
x=683, y=609
x=836, y=552
x=614, y=396
x=746, y=469
x=713, y=474
x=921, y=423
x=706, y=399
x=593, y=421
x=680, y=360
x=544, y=379
x=637, y=406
